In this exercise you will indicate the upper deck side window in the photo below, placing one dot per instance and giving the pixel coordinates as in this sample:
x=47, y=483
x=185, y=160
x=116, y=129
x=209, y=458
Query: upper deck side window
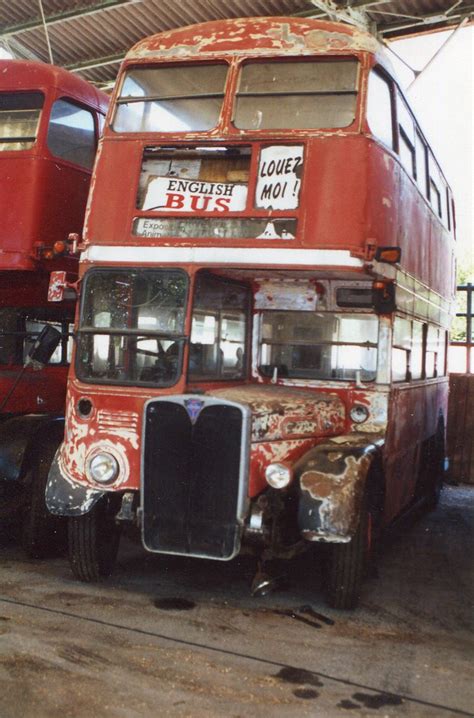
x=19, y=119
x=179, y=98
x=309, y=94
x=380, y=109
x=71, y=133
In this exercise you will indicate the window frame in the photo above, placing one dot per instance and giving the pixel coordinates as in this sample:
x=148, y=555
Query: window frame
x=220, y=314
x=86, y=330
x=313, y=59
x=119, y=100
x=95, y=120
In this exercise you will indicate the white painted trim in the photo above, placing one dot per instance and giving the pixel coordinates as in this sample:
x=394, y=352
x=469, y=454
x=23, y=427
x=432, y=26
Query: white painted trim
x=266, y=256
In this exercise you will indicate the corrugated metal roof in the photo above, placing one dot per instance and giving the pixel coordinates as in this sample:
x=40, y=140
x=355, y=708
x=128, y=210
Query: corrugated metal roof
x=92, y=36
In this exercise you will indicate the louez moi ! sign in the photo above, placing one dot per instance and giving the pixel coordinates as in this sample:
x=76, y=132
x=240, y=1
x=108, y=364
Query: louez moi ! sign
x=279, y=177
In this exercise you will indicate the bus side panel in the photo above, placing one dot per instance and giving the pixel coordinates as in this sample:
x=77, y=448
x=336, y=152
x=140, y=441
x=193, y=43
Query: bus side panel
x=398, y=215
x=41, y=201
x=414, y=413
x=38, y=391
x=335, y=194
x=63, y=200
x=19, y=209
x=113, y=196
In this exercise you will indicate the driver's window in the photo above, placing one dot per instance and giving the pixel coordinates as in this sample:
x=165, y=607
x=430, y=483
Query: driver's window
x=219, y=329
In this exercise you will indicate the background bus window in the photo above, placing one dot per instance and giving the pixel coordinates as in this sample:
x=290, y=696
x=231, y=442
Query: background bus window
x=296, y=95
x=19, y=119
x=379, y=109
x=62, y=353
x=20, y=329
x=10, y=343
x=71, y=134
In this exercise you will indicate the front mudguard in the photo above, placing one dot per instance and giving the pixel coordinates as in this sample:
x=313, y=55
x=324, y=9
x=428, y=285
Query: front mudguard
x=65, y=497
x=331, y=480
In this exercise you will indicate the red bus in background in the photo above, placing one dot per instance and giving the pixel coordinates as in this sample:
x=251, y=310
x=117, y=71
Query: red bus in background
x=50, y=122
x=265, y=297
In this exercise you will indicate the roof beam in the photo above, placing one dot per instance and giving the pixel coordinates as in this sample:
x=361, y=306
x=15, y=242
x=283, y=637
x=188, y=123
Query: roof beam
x=94, y=63
x=18, y=50
x=448, y=17
x=62, y=16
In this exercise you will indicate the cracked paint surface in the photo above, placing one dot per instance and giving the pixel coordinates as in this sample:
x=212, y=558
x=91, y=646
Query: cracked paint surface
x=280, y=412
x=251, y=36
x=332, y=485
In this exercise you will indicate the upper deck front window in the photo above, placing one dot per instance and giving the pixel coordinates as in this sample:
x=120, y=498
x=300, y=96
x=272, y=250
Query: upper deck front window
x=19, y=119
x=309, y=94
x=184, y=98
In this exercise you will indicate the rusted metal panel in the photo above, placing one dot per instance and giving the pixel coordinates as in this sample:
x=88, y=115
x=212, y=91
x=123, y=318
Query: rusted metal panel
x=283, y=413
x=414, y=414
x=332, y=480
x=460, y=434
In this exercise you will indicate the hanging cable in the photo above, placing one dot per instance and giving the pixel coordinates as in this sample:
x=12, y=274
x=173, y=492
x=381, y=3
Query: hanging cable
x=43, y=18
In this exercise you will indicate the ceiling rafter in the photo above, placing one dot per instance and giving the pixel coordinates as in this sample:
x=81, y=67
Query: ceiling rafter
x=35, y=24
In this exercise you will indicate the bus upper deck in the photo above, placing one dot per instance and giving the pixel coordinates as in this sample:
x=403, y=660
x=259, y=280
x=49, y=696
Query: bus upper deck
x=260, y=135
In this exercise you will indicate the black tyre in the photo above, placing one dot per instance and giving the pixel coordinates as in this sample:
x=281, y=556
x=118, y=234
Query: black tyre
x=42, y=534
x=346, y=566
x=431, y=469
x=93, y=543
x=436, y=470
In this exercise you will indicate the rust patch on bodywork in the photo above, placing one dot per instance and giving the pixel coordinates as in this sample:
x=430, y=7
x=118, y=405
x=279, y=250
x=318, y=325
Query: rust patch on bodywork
x=332, y=485
x=285, y=413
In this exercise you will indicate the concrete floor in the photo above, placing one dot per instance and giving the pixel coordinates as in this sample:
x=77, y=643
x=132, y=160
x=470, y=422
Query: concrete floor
x=132, y=647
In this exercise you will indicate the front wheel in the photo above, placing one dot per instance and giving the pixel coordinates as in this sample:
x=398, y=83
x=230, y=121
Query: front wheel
x=93, y=543
x=346, y=565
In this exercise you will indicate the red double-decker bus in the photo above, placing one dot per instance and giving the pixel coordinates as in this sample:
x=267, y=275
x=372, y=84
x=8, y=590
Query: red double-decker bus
x=266, y=286
x=50, y=122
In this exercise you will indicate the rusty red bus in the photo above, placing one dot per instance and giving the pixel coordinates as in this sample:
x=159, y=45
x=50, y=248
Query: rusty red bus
x=266, y=285
x=50, y=122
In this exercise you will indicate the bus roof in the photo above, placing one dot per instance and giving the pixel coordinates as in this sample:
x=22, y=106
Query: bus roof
x=254, y=37
x=28, y=75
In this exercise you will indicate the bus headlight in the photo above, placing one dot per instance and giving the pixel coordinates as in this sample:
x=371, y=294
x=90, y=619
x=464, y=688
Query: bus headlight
x=359, y=414
x=278, y=475
x=103, y=468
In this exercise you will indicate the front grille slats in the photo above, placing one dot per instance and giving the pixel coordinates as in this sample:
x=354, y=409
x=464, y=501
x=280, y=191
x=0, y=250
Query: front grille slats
x=191, y=479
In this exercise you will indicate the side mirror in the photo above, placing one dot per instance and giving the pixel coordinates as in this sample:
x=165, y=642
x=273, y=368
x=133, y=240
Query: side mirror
x=44, y=347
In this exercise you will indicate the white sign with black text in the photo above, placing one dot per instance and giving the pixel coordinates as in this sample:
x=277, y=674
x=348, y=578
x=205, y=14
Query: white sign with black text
x=279, y=177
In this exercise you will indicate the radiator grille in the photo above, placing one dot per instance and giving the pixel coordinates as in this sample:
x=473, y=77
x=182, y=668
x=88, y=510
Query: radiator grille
x=192, y=477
